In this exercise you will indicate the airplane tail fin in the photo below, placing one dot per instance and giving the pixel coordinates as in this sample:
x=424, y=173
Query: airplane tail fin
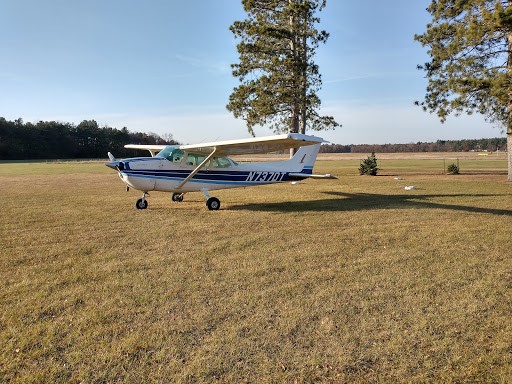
x=304, y=159
x=303, y=162
x=111, y=157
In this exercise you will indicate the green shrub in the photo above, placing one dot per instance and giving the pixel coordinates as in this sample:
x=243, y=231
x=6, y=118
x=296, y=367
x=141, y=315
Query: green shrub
x=453, y=169
x=369, y=166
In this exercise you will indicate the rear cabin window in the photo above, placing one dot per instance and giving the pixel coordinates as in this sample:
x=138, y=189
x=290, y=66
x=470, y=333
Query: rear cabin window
x=221, y=162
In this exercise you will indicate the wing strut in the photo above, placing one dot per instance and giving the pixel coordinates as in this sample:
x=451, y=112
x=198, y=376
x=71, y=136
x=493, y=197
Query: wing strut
x=198, y=168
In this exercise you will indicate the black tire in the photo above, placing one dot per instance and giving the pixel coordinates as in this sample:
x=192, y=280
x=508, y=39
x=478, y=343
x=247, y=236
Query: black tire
x=141, y=204
x=177, y=197
x=213, y=204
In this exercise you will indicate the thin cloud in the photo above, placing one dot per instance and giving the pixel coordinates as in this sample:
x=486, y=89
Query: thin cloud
x=377, y=75
x=202, y=63
x=348, y=78
x=11, y=77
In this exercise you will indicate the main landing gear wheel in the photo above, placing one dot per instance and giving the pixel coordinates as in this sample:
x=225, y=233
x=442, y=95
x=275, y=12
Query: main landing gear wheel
x=178, y=197
x=141, y=204
x=213, y=203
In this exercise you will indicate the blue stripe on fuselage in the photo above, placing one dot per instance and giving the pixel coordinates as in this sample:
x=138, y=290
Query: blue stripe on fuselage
x=212, y=177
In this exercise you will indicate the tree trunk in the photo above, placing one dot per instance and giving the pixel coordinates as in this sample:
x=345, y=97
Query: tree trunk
x=509, y=122
x=294, y=118
x=509, y=154
x=304, y=83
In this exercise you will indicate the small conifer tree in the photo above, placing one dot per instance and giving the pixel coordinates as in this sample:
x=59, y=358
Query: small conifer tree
x=369, y=166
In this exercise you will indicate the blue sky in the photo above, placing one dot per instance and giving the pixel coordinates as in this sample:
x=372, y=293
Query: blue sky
x=163, y=66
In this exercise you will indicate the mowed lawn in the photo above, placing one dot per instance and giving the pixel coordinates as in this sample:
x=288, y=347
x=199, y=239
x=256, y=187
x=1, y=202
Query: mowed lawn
x=350, y=280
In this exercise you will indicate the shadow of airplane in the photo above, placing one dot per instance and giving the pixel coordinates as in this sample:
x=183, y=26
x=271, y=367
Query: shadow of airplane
x=346, y=202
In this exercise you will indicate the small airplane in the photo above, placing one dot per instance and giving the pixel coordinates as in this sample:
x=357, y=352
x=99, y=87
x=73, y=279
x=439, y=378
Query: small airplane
x=180, y=169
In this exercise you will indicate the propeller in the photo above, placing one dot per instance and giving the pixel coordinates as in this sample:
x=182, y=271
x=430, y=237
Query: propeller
x=114, y=164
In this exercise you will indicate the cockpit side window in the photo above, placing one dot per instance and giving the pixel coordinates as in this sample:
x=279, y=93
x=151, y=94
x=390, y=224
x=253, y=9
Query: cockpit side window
x=176, y=155
x=193, y=159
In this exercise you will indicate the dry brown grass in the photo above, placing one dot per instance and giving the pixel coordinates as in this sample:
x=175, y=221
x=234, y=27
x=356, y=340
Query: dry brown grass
x=349, y=280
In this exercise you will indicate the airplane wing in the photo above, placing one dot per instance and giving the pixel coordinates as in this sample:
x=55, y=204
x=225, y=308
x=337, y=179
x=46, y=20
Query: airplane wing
x=153, y=149
x=253, y=145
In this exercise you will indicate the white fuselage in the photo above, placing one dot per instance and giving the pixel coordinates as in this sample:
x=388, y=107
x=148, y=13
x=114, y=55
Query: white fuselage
x=169, y=173
x=150, y=174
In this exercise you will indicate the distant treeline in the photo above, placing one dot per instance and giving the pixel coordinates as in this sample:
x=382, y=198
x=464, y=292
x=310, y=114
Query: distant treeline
x=87, y=140
x=489, y=145
x=57, y=140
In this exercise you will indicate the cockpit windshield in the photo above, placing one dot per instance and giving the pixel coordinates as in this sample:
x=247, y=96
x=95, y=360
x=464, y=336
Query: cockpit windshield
x=173, y=154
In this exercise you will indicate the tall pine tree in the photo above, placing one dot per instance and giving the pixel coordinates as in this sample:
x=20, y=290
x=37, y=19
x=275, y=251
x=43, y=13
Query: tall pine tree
x=279, y=79
x=470, y=45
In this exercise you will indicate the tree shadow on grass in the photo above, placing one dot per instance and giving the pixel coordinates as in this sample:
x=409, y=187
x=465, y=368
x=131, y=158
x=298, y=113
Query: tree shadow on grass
x=346, y=202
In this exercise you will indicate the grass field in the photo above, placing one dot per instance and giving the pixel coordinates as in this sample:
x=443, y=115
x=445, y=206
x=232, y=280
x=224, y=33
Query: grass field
x=350, y=280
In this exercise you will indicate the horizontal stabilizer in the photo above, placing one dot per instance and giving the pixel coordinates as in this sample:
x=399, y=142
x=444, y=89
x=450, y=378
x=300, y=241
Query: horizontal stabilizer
x=311, y=176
